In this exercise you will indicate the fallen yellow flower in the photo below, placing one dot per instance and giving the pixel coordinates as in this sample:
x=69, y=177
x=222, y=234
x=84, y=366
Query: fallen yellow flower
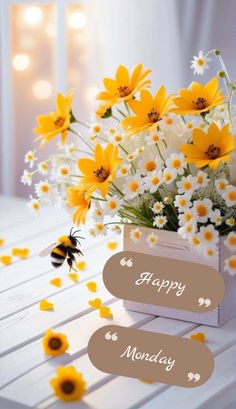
x=46, y=305
x=105, y=312
x=81, y=265
x=69, y=384
x=96, y=303
x=54, y=343
x=6, y=260
x=92, y=286
x=74, y=277
x=56, y=281
x=22, y=253
x=112, y=245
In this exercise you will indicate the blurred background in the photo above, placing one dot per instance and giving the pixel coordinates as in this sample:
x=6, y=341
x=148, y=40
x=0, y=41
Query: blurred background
x=51, y=46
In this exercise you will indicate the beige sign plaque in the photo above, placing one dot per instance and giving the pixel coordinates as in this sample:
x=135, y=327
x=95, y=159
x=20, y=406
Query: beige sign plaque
x=163, y=281
x=151, y=356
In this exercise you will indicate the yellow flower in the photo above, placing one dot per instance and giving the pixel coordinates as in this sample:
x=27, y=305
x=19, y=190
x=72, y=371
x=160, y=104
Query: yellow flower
x=69, y=384
x=76, y=199
x=125, y=86
x=209, y=148
x=149, y=111
x=98, y=173
x=103, y=110
x=198, y=98
x=55, y=123
x=54, y=343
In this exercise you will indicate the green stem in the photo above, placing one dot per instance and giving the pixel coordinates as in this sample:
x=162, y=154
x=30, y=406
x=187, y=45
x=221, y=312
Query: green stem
x=81, y=137
x=121, y=112
x=183, y=119
x=98, y=198
x=115, y=117
x=81, y=123
x=117, y=189
x=159, y=151
x=127, y=107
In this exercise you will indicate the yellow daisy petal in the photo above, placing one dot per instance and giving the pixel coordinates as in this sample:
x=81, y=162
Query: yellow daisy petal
x=22, y=253
x=112, y=245
x=56, y=282
x=81, y=265
x=92, y=286
x=46, y=305
x=96, y=303
x=6, y=260
x=74, y=277
x=105, y=312
x=2, y=242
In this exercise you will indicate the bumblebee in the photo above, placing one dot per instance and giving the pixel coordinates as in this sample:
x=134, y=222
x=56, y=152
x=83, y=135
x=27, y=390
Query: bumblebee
x=65, y=248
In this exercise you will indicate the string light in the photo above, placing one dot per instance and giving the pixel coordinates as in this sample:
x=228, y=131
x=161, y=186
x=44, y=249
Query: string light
x=33, y=15
x=50, y=29
x=77, y=20
x=42, y=89
x=21, y=62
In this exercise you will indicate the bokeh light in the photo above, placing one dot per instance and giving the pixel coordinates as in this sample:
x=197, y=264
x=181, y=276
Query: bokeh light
x=21, y=62
x=50, y=29
x=33, y=15
x=77, y=20
x=42, y=89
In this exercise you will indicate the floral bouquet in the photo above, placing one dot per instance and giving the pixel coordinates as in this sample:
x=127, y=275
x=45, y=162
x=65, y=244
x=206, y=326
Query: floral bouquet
x=148, y=160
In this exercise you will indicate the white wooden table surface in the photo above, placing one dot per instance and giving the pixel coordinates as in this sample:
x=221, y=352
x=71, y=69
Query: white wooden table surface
x=25, y=371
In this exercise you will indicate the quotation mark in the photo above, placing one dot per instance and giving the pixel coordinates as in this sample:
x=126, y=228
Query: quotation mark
x=204, y=301
x=111, y=337
x=127, y=263
x=193, y=377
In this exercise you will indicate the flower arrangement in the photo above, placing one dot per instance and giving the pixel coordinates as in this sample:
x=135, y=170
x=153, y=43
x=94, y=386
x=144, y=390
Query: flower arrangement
x=154, y=160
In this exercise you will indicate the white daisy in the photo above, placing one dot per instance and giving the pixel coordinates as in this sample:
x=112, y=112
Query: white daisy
x=30, y=158
x=230, y=241
x=210, y=252
x=176, y=162
x=169, y=175
x=98, y=213
x=187, y=184
x=70, y=149
x=111, y=131
x=96, y=128
x=92, y=232
x=112, y=205
x=148, y=164
x=202, y=179
x=42, y=188
x=158, y=207
x=230, y=221
x=63, y=171
x=140, y=150
x=183, y=202
x=229, y=196
x=152, y=239
x=208, y=235
x=216, y=217
x=200, y=63
x=26, y=178
x=159, y=221
x=203, y=209
x=133, y=186
x=131, y=156
x=116, y=138
x=153, y=181
x=116, y=229
x=221, y=185
x=187, y=230
x=124, y=170
x=92, y=138
x=190, y=215
x=230, y=265
x=194, y=241
x=43, y=168
x=34, y=205
x=155, y=137
x=100, y=229
x=135, y=235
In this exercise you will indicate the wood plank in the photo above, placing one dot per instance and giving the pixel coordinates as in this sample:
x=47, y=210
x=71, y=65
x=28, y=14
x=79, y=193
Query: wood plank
x=78, y=332
x=223, y=381
x=135, y=393
x=14, y=211
x=31, y=292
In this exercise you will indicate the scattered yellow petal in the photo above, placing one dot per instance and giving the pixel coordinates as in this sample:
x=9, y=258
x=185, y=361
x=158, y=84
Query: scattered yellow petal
x=199, y=336
x=74, y=277
x=105, y=312
x=46, y=305
x=56, y=281
x=2, y=242
x=92, y=286
x=22, y=253
x=6, y=260
x=96, y=303
x=112, y=245
x=81, y=265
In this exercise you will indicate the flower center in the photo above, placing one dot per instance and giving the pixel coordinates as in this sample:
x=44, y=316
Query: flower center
x=150, y=166
x=44, y=188
x=200, y=61
x=55, y=343
x=133, y=186
x=232, y=196
x=101, y=174
x=112, y=205
x=232, y=263
x=68, y=387
x=201, y=210
x=212, y=151
x=232, y=241
x=208, y=235
x=155, y=181
x=200, y=103
x=123, y=91
x=64, y=171
x=59, y=122
x=176, y=163
x=153, y=116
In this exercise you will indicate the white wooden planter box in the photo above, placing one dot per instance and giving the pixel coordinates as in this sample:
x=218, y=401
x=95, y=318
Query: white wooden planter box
x=171, y=245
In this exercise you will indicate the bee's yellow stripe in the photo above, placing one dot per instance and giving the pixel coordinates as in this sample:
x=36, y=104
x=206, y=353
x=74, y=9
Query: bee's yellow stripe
x=59, y=251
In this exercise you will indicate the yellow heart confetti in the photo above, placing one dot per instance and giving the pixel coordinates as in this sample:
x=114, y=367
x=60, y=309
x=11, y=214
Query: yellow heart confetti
x=46, y=305
x=2, y=242
x=81, y=265
x=74, y=277
x=56, y=281
x=112, y=245
x=199, y=336
x=96, y=303
x=105, y=312
x=6, y=260
x=92, y=286
x=22, y=253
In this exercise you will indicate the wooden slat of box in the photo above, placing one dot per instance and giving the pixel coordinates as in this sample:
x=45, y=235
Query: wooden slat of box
x=171, y=245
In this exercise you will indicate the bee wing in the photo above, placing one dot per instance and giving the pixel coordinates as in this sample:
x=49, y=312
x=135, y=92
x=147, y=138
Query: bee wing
x=47, y=251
